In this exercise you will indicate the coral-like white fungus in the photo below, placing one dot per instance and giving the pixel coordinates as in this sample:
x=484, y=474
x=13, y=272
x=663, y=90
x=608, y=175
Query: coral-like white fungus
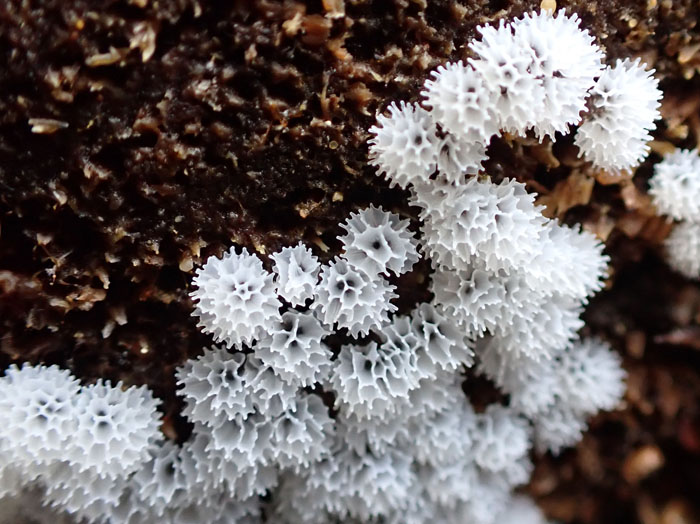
x=214, y=386
x=350, y=298
x=295, y=350
x=498, y=223
x=565, y=60
x=590, y=375
x=368, y=379
x=459, y=99
x=296, y=273
x=117, y=428
x=377, y=241
x=624, y=105
x=235, y=298
x=505, y=66
x=675, y=186
x=37, y=412
x=404, y=445
x=404, y=145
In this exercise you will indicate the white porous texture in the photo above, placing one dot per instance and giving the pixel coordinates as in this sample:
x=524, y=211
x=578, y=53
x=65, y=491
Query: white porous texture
x=459, y=99
x=369, y=380
x=683, y=249
x=623, y=107
x=675, y=186
x=350, y=298
x=37, y=412
x=565, y=61
x=442, y=345
x=302, y=434
x=295, y=349
x=116, y=428
x=498, y=223
x=235, y=297
x=296, y=273
x=403, y=444
x=505, y=67
x=214, y=386
x=404, y=145
x=377, y=241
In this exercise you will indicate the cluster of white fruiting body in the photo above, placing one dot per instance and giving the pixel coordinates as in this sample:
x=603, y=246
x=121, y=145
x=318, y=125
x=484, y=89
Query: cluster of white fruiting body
x=675, y=191
x=402, y=442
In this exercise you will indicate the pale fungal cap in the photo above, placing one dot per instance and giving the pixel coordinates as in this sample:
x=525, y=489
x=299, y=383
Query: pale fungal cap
x=443, y=345
x=295, y=349
x=116, y=428
x=675, y=186
x=497, y=223
x=350, y=298
x=683, y=249
x=369, y=380
x=296, y=273
x=235, y=298
x=214, y=386
x=571, y=262
x=404, y=145
x=565, y=60
x=624, y=105
x=505, y=66
x=591, y=376
x=461, y=102
x=302, y=434
x=37, y=412
x=377, y=241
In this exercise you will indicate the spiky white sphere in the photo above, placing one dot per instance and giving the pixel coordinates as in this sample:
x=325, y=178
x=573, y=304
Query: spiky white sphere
x=571, y=262
x=350, y=298
x=296, y=273
x=38, y=416
x=295, y=349
x=235, y=298
x=214, y=386
x=473, y=299
x=675, y=186
x=362, y=485
x=462, y=103
x=540, y=329
x=404, y=145
x=166, y=478
x=116, y=428
x=623, y=108
x=591, y=376
x=444, y=437
x=498, y=223
x=443, y=345
x=377, y=241
x=506, y=68
x=302, y=434
x=565, y=60
x=683, y=249
x=84, y=493
x=369, y=380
